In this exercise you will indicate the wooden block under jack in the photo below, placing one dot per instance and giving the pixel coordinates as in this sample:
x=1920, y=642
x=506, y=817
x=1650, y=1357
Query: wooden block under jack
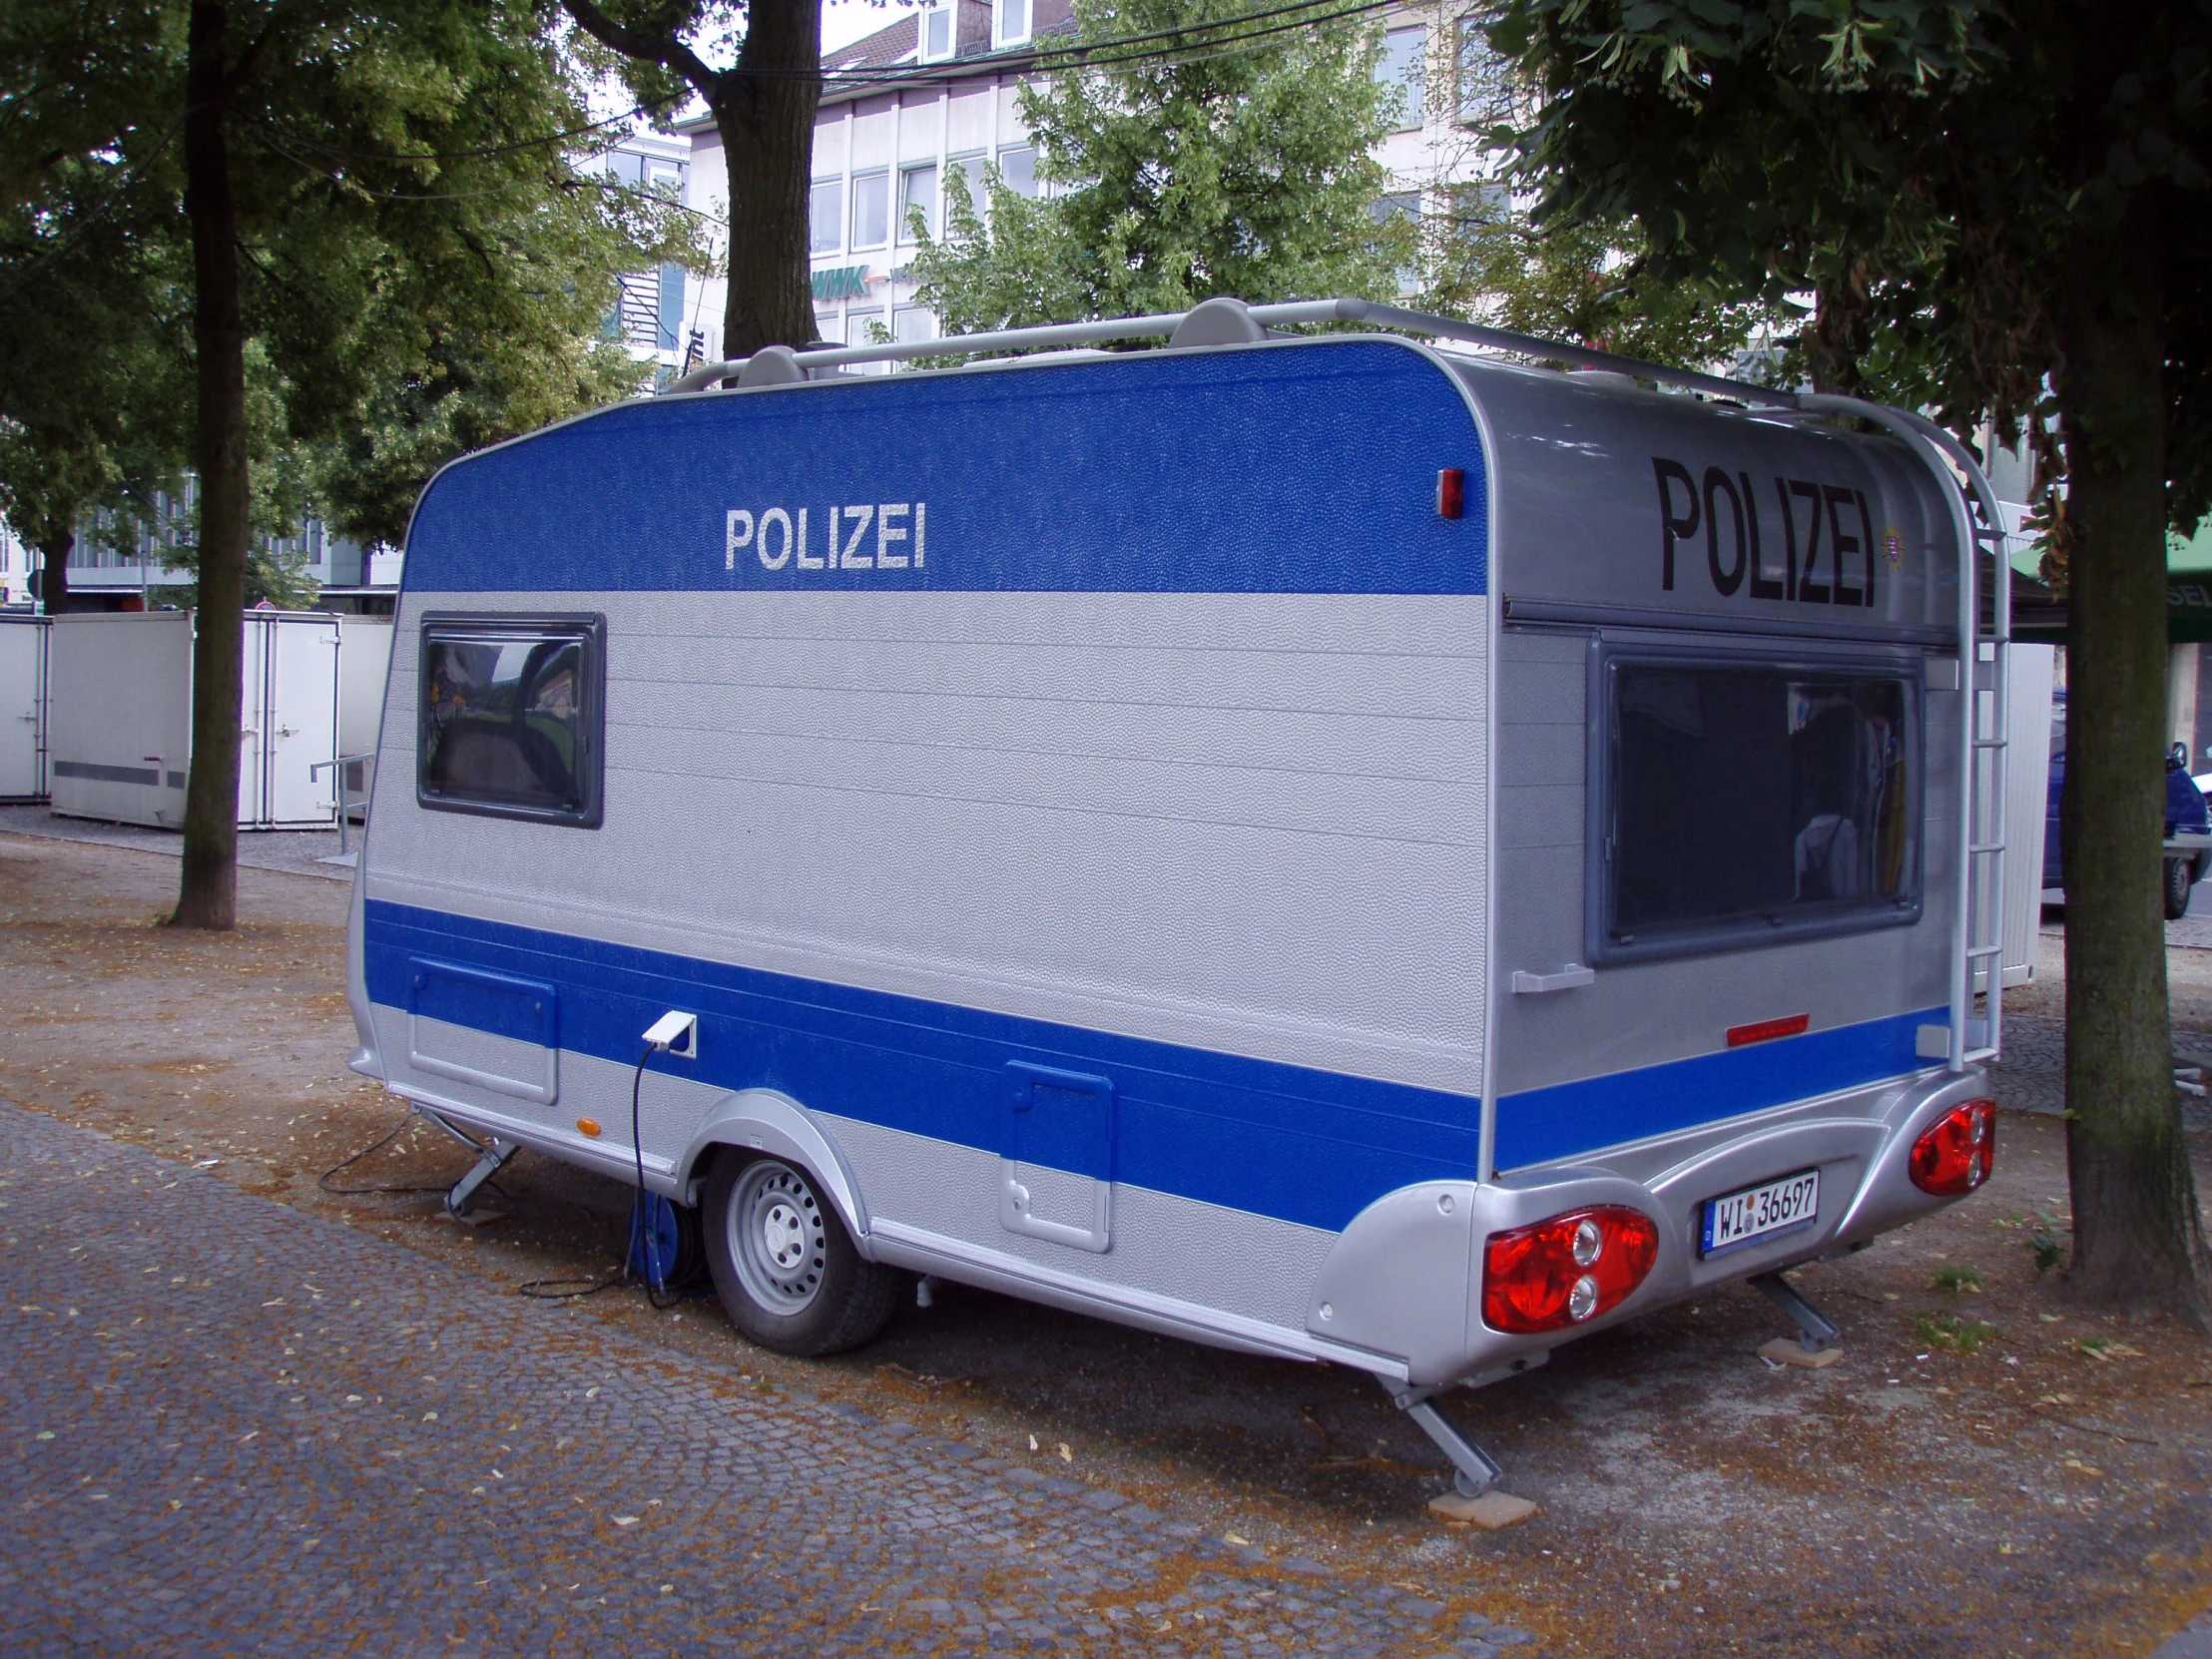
x=1490, y=1512
x=476, y=1218
x=1788, y=1351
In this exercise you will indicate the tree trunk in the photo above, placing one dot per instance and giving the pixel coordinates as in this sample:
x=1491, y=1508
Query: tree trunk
x=767, y=122
x=208, y=894
x=53, y=571
x=2138, y=1241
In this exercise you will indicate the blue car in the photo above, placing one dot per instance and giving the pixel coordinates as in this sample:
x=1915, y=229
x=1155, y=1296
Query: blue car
x=2188, y=827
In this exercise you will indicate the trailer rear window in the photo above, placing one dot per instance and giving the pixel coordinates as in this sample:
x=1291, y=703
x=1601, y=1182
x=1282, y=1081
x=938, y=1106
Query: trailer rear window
x=1746, y=801
x=511, y=721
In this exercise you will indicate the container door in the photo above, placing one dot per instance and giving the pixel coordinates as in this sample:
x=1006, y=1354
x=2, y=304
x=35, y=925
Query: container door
x=253, y=725
x=2027, y=683
x=23, y=711
x=302, y=722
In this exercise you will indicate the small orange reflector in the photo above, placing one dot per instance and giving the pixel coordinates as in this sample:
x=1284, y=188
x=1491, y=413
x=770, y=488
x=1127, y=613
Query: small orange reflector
x=1766, y=1030
x=1452, y=492
x=588, y=1126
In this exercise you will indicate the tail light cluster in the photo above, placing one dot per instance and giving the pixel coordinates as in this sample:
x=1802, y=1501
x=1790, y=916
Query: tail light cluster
x=1566, y=1270
x=1955, y=1153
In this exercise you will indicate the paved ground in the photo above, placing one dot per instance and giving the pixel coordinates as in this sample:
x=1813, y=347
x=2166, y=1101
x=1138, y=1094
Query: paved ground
x=231, y=1427
x=298, y=851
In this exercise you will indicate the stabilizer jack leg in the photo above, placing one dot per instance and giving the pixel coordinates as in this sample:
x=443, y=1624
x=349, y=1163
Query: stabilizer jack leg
x=1473, y=1470
x=463, y=1198
x=1818, y=1338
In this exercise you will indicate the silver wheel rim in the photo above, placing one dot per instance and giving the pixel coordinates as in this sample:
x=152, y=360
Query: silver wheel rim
x=777, y=1237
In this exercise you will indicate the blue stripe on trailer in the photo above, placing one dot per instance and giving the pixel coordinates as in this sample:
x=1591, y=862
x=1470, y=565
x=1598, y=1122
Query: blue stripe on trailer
x=1303, y=1145
x=1542, y=1126
x=1309, y=468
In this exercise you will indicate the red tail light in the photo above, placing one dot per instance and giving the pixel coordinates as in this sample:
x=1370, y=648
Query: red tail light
x=1955, y=1153
x=1568, y=1270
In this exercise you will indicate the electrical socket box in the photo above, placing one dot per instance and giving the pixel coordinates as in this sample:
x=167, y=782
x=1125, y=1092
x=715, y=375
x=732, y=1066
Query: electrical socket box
x=675, y=1033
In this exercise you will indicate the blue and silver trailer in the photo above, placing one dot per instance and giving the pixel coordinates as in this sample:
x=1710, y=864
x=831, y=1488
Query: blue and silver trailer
x=1348, y=847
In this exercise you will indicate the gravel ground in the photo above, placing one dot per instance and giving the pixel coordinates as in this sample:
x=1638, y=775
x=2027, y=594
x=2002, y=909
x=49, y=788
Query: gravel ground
x=2017, y=1474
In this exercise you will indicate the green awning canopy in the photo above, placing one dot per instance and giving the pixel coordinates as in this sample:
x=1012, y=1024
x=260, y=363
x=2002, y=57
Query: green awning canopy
x=2037, y=618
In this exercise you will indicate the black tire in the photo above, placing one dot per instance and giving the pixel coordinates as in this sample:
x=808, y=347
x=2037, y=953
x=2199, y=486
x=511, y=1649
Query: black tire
x=784, y=1265
x=2178, y=872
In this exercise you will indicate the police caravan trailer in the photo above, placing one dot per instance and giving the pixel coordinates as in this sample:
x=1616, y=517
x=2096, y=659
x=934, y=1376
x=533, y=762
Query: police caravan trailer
x=1340, y=846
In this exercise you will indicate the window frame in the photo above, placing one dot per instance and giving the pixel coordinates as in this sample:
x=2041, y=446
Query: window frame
x=1001, y=35
x=1035, y=191
x=932, y=211
x=873, y=176
x=1727, y=653
x=950, y=12
x=1414, y=80
x=816, y=246
x=587, y=627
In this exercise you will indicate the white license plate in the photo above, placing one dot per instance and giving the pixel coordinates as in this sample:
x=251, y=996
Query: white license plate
x=1781, y=1206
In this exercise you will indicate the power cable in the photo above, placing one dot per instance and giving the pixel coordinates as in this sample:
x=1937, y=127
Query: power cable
x=398, y=1129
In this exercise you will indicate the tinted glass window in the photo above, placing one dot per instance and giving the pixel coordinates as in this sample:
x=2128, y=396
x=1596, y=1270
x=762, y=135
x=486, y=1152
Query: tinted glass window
x=510, y=720
x=1747, y=798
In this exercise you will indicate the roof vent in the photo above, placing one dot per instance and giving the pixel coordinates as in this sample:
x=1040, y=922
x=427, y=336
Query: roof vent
x=1219, y=321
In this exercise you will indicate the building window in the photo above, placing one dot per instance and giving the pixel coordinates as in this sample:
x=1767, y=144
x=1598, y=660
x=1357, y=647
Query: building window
x=1018, y=167
x=827, y=216
x=511, y=716
x=828, y=326
x=871, y=203
x=1009, y=22
x=939, y=30
x=1743, y=801
x=911, y=325
x=918, y=193
x=1399, y=68
x=969, y=168
x=671, y=318
x=1396, y=219
x=865, y=328
x=1486, y=89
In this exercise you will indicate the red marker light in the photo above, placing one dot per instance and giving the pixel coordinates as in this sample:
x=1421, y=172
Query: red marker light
x=1452, y=492
x=1766, y=1030
x=1956, y=1154
x=1566, y=1270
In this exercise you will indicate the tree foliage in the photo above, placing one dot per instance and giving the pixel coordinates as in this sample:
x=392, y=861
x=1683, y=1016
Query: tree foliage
x=1988, y=200
x=345, y=218
x=1176, y=178
x=762, y=103
x=1487, y=260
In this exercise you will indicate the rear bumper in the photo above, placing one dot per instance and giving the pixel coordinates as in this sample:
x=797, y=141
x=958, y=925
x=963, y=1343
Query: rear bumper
x=1404, y=1281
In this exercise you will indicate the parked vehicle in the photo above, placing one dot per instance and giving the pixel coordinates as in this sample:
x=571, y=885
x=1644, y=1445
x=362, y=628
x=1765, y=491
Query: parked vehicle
x=2188, y=845
x=1333, y=846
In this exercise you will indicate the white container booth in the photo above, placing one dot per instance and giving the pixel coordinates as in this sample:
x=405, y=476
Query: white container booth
x=121, y=714
x=1330, y=847
x=23, y=651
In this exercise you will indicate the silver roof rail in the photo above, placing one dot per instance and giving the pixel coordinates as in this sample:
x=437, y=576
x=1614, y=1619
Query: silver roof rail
x=1288, y=314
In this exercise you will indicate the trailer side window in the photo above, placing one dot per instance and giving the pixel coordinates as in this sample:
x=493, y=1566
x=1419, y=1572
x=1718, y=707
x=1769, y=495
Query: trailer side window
x=510, y=718
x=1745, y=802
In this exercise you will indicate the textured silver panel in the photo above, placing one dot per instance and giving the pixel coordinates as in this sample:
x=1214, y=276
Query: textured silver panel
x=1245, y=823
x=483, y=1060
x=1249, y=1266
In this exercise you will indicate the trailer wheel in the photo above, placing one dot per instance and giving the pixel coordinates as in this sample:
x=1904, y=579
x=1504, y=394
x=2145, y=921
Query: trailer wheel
x=784, y=1265
x=2177, y=888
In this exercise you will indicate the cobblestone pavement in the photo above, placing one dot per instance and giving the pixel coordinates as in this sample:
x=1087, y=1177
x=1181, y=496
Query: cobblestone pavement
x=232, y=1427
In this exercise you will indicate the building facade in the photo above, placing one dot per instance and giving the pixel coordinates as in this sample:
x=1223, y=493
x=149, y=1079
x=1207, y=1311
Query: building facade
x=883, y=149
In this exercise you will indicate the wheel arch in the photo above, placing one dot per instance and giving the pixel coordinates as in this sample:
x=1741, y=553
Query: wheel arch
x=772, y=1124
